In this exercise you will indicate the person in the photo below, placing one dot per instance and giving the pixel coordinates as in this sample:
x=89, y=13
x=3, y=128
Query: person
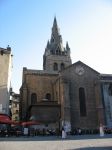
x=63, y=133
x=79, y=131
x=25, y=132
x=101, y=130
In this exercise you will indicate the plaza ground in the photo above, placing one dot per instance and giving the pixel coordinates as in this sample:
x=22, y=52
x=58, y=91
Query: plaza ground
x=82, y=142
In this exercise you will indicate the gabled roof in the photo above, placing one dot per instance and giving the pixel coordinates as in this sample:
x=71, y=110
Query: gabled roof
x=82, y=64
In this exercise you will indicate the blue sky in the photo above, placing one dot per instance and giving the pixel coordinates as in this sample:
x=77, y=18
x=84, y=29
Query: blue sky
x=26, y=25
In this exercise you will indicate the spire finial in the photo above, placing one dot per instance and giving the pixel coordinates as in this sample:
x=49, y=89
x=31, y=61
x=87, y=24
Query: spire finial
x=55, y=29
x=67, y=46
x=55, y=22
x=48, y=44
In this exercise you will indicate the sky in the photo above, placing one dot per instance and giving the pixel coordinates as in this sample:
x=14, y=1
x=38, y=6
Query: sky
x=25, y=25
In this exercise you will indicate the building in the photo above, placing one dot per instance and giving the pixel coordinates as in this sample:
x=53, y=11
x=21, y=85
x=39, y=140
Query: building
x=14, y=106
x=106, y=85
x=64, y=93
x=5, y=78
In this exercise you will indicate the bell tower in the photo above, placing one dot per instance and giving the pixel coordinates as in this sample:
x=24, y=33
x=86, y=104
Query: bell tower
x=56, y=57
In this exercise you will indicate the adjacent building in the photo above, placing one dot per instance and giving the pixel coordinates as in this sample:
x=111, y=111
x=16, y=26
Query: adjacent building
x=106, y=85
x=5, y=78
x=63, y=93
x=14, y=106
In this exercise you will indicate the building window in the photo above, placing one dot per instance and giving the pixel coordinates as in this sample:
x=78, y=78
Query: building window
x=15, y=104
x=58, y=52
x=16, y=118
x=62, y=66
x=48, y=96
x=33, y=98
x=110, y=89
x=17, y=111
x=82, y=101
x=55, y=66
x=52, y=40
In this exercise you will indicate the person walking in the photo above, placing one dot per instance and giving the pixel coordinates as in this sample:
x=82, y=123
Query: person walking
x=63, y=133
x=101, y=130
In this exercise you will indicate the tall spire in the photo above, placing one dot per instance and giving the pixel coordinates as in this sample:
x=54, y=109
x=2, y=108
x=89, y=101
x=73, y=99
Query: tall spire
x=55, y=45
x=55, y=28
x=55, y=22
x=55, y=53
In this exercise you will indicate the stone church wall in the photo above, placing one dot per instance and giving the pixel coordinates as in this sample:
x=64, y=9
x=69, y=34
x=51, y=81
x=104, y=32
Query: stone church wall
x=87, y=81
x=41, y=85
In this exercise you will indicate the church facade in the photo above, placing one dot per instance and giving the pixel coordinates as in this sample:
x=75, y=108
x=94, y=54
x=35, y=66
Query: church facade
x=63, y=93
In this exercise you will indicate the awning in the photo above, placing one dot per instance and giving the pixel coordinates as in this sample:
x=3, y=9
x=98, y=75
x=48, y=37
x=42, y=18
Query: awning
x=28, y=123
x=5, y=119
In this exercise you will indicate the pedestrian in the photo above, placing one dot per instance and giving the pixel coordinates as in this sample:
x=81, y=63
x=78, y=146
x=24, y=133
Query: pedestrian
x=25, y=132
x=79, y=131
x=63, y=133
x=101, y=130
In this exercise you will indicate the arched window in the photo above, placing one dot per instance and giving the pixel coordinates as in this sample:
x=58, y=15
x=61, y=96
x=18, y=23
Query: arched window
x=62, y=66
x=110, y=89
x=48, y=96
x=58, y=52
x=82, y=101
x=33, y=98
x=55, y=66
x=52, y=39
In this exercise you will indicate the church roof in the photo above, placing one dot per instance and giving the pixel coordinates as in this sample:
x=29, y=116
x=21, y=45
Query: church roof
x=82, y=64
x=41, y=72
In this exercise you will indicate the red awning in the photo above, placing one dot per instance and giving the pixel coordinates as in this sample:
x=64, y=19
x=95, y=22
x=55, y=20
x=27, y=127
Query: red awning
x=28, y=123
x=5, y=119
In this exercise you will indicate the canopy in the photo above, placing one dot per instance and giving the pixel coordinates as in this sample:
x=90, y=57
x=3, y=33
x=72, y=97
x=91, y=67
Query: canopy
x=28, y=123
x=5, y=119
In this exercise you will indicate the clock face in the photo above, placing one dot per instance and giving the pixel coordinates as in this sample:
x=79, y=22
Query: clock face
x=79, y=70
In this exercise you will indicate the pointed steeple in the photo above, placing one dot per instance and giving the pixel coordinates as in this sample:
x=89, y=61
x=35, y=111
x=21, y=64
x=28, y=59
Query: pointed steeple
x=56, y=39
x=55, y=29
x=47, y=49
x=55, y=22
x=55, y=53
x=67, y=46
x=47, y=44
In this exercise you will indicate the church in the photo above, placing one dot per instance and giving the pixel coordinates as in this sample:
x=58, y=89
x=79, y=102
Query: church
x=74, y=95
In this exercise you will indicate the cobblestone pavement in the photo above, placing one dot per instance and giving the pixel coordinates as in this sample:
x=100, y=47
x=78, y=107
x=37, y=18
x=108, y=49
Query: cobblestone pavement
x=83, y=142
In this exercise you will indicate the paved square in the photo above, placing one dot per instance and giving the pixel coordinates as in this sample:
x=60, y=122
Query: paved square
x=83, y=142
